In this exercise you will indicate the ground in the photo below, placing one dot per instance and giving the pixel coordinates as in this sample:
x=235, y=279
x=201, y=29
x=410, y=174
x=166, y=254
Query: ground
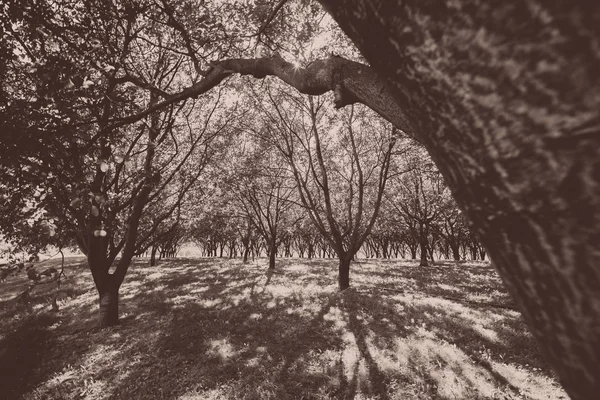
x=219, y=329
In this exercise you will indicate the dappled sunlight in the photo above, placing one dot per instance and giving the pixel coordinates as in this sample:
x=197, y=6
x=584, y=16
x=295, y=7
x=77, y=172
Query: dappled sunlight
x=182, y=299
x=449, y=288
x=336, y=316
x=221, y=348
x=452, y=371
x=223, y=330
x=531, y=384
x=87, y=373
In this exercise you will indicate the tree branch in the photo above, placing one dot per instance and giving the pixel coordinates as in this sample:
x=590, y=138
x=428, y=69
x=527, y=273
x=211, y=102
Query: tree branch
x=350, y=81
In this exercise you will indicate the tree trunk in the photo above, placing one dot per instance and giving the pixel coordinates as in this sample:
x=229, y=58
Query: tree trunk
x=413, y=252
x=272, y=255
x=344, y=273
x=153, y=256
x=423, y=250
x=109, y=307
x=515, y=135
x=455, y=252
x=246, y=252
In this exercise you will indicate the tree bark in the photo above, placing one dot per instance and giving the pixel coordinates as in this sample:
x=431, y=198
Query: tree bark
x=153, y=256
x=344, y=273
x=109, y=306
x=455, y=252
x=423, y=245
x=423, y=249
x=272, y=255
x=246, y=252
x=505, y=99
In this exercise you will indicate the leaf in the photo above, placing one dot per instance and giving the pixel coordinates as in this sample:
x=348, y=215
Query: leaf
x=87, y=83
x=118, y=159
x=75, y=202
x=95, y=211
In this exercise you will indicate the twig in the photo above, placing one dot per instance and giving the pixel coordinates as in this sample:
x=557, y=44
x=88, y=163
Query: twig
x=269, y=19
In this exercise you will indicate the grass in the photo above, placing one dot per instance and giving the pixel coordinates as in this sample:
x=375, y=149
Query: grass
x=219, y=329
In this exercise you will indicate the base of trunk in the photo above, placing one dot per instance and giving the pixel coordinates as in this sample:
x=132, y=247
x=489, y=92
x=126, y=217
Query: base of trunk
x=272, y=255
x=344, y=275
x=109, y=308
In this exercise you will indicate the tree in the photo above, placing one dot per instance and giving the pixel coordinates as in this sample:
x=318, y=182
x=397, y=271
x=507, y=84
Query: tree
x=105, y=68
x=508, y=113
x=340, y=168
x=264, y=192
x=419, y=195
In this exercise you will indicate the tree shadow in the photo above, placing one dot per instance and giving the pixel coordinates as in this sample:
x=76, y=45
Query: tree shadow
x=21, y=353
x=227, y=330
x=259, y=342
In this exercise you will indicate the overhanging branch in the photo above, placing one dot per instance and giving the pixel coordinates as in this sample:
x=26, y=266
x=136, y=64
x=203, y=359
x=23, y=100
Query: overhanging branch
x=350, y=81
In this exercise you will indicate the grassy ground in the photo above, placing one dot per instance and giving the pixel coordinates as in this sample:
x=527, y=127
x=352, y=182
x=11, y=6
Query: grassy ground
x=218, y=329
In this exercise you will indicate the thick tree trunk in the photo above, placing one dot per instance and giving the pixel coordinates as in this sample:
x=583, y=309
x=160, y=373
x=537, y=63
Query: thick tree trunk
x=344, y=273
x=109, y=307
x=505, y=98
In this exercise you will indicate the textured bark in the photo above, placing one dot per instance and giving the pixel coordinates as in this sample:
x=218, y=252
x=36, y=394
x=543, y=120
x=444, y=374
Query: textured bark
x=344, y=273
x=109, y=307
x=423, y=250
x=505, y=97
x=246, y=252
x=153, y=256
x=272, y=255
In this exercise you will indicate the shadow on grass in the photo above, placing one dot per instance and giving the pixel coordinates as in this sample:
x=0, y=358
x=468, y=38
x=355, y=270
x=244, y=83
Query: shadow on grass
x=21, y=353
x=220, y=329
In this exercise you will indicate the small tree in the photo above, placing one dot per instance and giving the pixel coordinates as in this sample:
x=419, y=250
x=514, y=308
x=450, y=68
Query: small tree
x=340, y=168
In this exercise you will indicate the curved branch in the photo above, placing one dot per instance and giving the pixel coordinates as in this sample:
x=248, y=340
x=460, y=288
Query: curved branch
x=351, y=82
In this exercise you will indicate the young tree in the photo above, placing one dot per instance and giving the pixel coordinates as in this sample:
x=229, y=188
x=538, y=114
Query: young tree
x=420, y=195
x=340, y=169
x=263, y=189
